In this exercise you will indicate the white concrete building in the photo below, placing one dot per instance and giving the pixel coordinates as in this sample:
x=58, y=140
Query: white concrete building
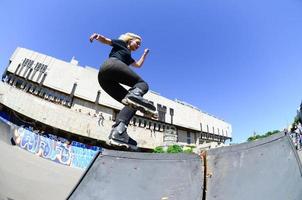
x=68, y=98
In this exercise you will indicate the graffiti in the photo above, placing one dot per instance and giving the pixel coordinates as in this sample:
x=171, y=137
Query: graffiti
x=28, y=142
x=75, y=154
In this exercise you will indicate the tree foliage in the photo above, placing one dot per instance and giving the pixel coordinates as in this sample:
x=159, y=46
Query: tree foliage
x=158, y=150
x=173, y=149
x=256, y=137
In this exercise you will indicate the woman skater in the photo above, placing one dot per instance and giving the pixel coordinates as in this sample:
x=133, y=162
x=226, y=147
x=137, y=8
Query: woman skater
x=115, y=71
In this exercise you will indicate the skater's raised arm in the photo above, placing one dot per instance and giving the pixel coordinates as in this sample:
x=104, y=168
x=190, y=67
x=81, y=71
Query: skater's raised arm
x=100, y=38
x=141, y=61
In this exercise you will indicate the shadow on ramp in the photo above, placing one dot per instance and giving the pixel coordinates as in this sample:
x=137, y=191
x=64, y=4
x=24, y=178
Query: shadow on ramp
x=124, y=175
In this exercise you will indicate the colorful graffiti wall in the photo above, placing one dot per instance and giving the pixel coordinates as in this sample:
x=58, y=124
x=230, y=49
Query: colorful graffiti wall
x=74, y=154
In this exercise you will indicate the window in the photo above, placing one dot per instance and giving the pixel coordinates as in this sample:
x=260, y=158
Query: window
x=43, y=68
x=29, y=73
x=158, y=127
x=43, y=79
x=19, y=83
x=134, y=121
x=18, y=67
x=25, y=72
x=188, y=138
x=161, y=112
x=33, y=74
x=97, y=99
x=39, y=76
x=171, y=114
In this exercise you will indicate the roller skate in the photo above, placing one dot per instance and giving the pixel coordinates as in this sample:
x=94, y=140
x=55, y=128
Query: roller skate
x=135, y=100
x=120, y=139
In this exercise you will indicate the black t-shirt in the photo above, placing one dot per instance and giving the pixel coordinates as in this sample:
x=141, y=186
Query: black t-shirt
x=121, y=52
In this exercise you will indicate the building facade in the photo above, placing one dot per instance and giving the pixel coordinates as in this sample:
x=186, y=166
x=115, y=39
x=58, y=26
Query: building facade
x=66, y=98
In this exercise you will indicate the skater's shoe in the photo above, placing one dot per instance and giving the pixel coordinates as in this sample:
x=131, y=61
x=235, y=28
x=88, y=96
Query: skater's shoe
x=119, y=136
x=134, y=99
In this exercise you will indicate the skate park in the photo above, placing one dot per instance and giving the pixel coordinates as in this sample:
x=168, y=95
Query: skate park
x=219, y=73
x=270, y=166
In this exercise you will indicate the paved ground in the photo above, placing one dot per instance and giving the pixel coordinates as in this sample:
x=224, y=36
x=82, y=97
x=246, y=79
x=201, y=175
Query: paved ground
x=25, y=176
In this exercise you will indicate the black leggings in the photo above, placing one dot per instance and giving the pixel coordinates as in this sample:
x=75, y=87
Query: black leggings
x=111, y=74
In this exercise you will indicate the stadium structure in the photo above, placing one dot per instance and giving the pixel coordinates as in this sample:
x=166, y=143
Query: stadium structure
x=65, y=99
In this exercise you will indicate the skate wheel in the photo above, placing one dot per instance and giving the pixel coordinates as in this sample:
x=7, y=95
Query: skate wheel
x=121, y=146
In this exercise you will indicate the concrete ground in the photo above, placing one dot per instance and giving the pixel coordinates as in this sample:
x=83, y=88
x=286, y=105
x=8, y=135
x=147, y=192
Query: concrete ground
x=25, y=176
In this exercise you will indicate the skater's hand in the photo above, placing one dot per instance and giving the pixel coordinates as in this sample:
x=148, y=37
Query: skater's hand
x=100, y=38
x=93, y=37
x=146, y=51
x=140, y=62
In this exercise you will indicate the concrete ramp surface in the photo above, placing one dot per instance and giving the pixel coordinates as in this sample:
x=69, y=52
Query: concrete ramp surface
x=25, y=176
x=142, y=176
x=268, y=169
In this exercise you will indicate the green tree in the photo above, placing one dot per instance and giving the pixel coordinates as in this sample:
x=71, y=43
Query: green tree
x=158, y=150
x=174, y=149
x=188, y=150
x=295, y=122
x=256, y=137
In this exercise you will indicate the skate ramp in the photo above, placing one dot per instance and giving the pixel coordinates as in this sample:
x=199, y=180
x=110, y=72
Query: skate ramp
x=269, y=169
x=25, y=176
x=128, y=175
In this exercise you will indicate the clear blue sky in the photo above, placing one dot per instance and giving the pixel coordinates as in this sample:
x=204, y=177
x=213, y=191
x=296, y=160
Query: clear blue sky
x=238, y=60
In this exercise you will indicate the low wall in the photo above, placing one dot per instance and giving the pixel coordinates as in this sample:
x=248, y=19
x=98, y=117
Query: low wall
x=75, y=154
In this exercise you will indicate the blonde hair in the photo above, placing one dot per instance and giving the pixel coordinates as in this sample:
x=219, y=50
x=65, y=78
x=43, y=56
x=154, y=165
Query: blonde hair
x=129, y=36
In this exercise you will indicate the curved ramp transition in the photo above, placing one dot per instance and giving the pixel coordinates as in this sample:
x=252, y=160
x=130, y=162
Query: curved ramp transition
x=268, y=169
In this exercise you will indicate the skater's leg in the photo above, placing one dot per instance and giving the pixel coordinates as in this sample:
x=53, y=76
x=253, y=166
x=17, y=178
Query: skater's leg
x=119, y=133
x=125, y=75
x=119, y=129
x=118, y=92
x=118, y=71
x=114, y=72
x=112, y=87
x=111, y=74
x=126, y=114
